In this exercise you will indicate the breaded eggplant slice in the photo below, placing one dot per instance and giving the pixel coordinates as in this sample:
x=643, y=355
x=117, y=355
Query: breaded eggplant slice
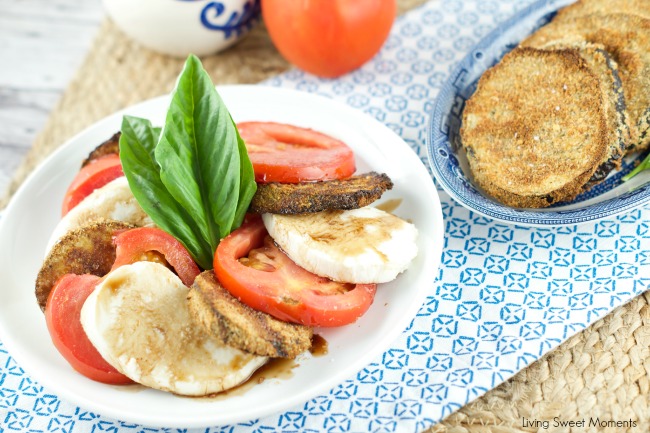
x=587, y=7
x=109, y=147
x=309, y=197
x=86, y=250
x=535, y=130
x=617, y=117
x=627, y=39
x=242, y=327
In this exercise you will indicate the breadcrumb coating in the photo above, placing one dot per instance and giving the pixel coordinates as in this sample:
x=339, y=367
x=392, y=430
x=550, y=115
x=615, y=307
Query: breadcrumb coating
x=86, y=250
x=535, y=131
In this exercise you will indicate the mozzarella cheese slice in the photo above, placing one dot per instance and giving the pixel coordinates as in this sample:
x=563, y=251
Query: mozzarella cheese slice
x=361, y=246
x=139, y=321
x=113, y=201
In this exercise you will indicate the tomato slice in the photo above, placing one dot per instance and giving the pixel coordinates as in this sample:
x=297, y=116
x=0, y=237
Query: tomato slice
x=62, y=316
x=94, y=175
x=289, y=154
x=137, y=244
x=253, y=269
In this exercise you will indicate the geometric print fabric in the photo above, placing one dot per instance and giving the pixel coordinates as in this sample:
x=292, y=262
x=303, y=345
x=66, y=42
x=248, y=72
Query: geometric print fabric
x=504, y=294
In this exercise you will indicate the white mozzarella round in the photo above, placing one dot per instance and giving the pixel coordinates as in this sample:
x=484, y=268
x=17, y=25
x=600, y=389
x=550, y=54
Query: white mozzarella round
x=113, y=201
x=361, y=246
x=139, y=321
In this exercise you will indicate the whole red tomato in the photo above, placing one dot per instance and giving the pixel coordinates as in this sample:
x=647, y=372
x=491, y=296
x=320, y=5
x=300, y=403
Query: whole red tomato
x=328, y=37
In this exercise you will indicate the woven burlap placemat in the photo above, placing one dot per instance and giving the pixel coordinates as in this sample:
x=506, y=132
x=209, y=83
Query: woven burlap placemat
x=602, y=372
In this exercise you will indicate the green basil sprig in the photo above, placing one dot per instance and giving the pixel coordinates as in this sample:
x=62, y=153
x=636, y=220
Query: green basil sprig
x=193, y=177
x=645, y=165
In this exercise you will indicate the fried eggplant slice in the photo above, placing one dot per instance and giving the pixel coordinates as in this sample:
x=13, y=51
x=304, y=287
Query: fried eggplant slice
x=110, y=146
x=626, y=38
x=242, y=327
x=86, y=250
x=587, y=7
x=620, y=131
x=535, y=130
x=309, y=197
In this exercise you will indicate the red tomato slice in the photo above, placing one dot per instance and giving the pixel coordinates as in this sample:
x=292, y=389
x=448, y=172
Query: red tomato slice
x=289, y=154
x=94, y=175
x=136, y=244
x=253, y=269
x=62, y=316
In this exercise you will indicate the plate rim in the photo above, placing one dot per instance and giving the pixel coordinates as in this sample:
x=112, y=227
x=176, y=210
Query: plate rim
x=499, y=212
x=428, y=269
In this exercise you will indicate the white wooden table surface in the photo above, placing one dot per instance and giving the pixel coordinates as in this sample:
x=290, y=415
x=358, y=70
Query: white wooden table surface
x=42, y=43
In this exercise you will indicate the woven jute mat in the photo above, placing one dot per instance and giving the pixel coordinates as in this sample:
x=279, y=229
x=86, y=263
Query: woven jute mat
x=602, y=372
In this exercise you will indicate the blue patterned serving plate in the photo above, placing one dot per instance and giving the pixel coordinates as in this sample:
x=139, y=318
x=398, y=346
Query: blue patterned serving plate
x=449, y=163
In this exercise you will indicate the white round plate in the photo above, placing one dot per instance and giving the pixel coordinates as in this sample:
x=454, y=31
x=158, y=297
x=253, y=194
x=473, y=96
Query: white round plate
x=449, y=163
x=34, y=211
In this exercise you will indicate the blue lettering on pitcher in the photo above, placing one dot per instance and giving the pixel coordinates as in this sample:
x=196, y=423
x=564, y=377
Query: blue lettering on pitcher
x=237, y=23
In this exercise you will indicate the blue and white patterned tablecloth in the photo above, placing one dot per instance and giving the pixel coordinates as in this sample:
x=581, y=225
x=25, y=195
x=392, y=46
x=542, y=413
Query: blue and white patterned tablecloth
x=504, y=295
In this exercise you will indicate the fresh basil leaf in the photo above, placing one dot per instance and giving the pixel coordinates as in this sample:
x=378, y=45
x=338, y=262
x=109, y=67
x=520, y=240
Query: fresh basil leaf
x=193, y=177
x=247, y=187
x=137, y=154
x=197, y=153
x=645, y=165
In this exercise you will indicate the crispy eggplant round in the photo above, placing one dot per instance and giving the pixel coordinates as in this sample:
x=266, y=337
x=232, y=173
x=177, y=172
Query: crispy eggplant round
x=309, y=197
x=110, y=146
x=86, y=250
x=237, y=325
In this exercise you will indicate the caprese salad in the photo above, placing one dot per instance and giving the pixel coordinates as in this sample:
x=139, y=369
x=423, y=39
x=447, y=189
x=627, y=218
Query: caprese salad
x=189, y=255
